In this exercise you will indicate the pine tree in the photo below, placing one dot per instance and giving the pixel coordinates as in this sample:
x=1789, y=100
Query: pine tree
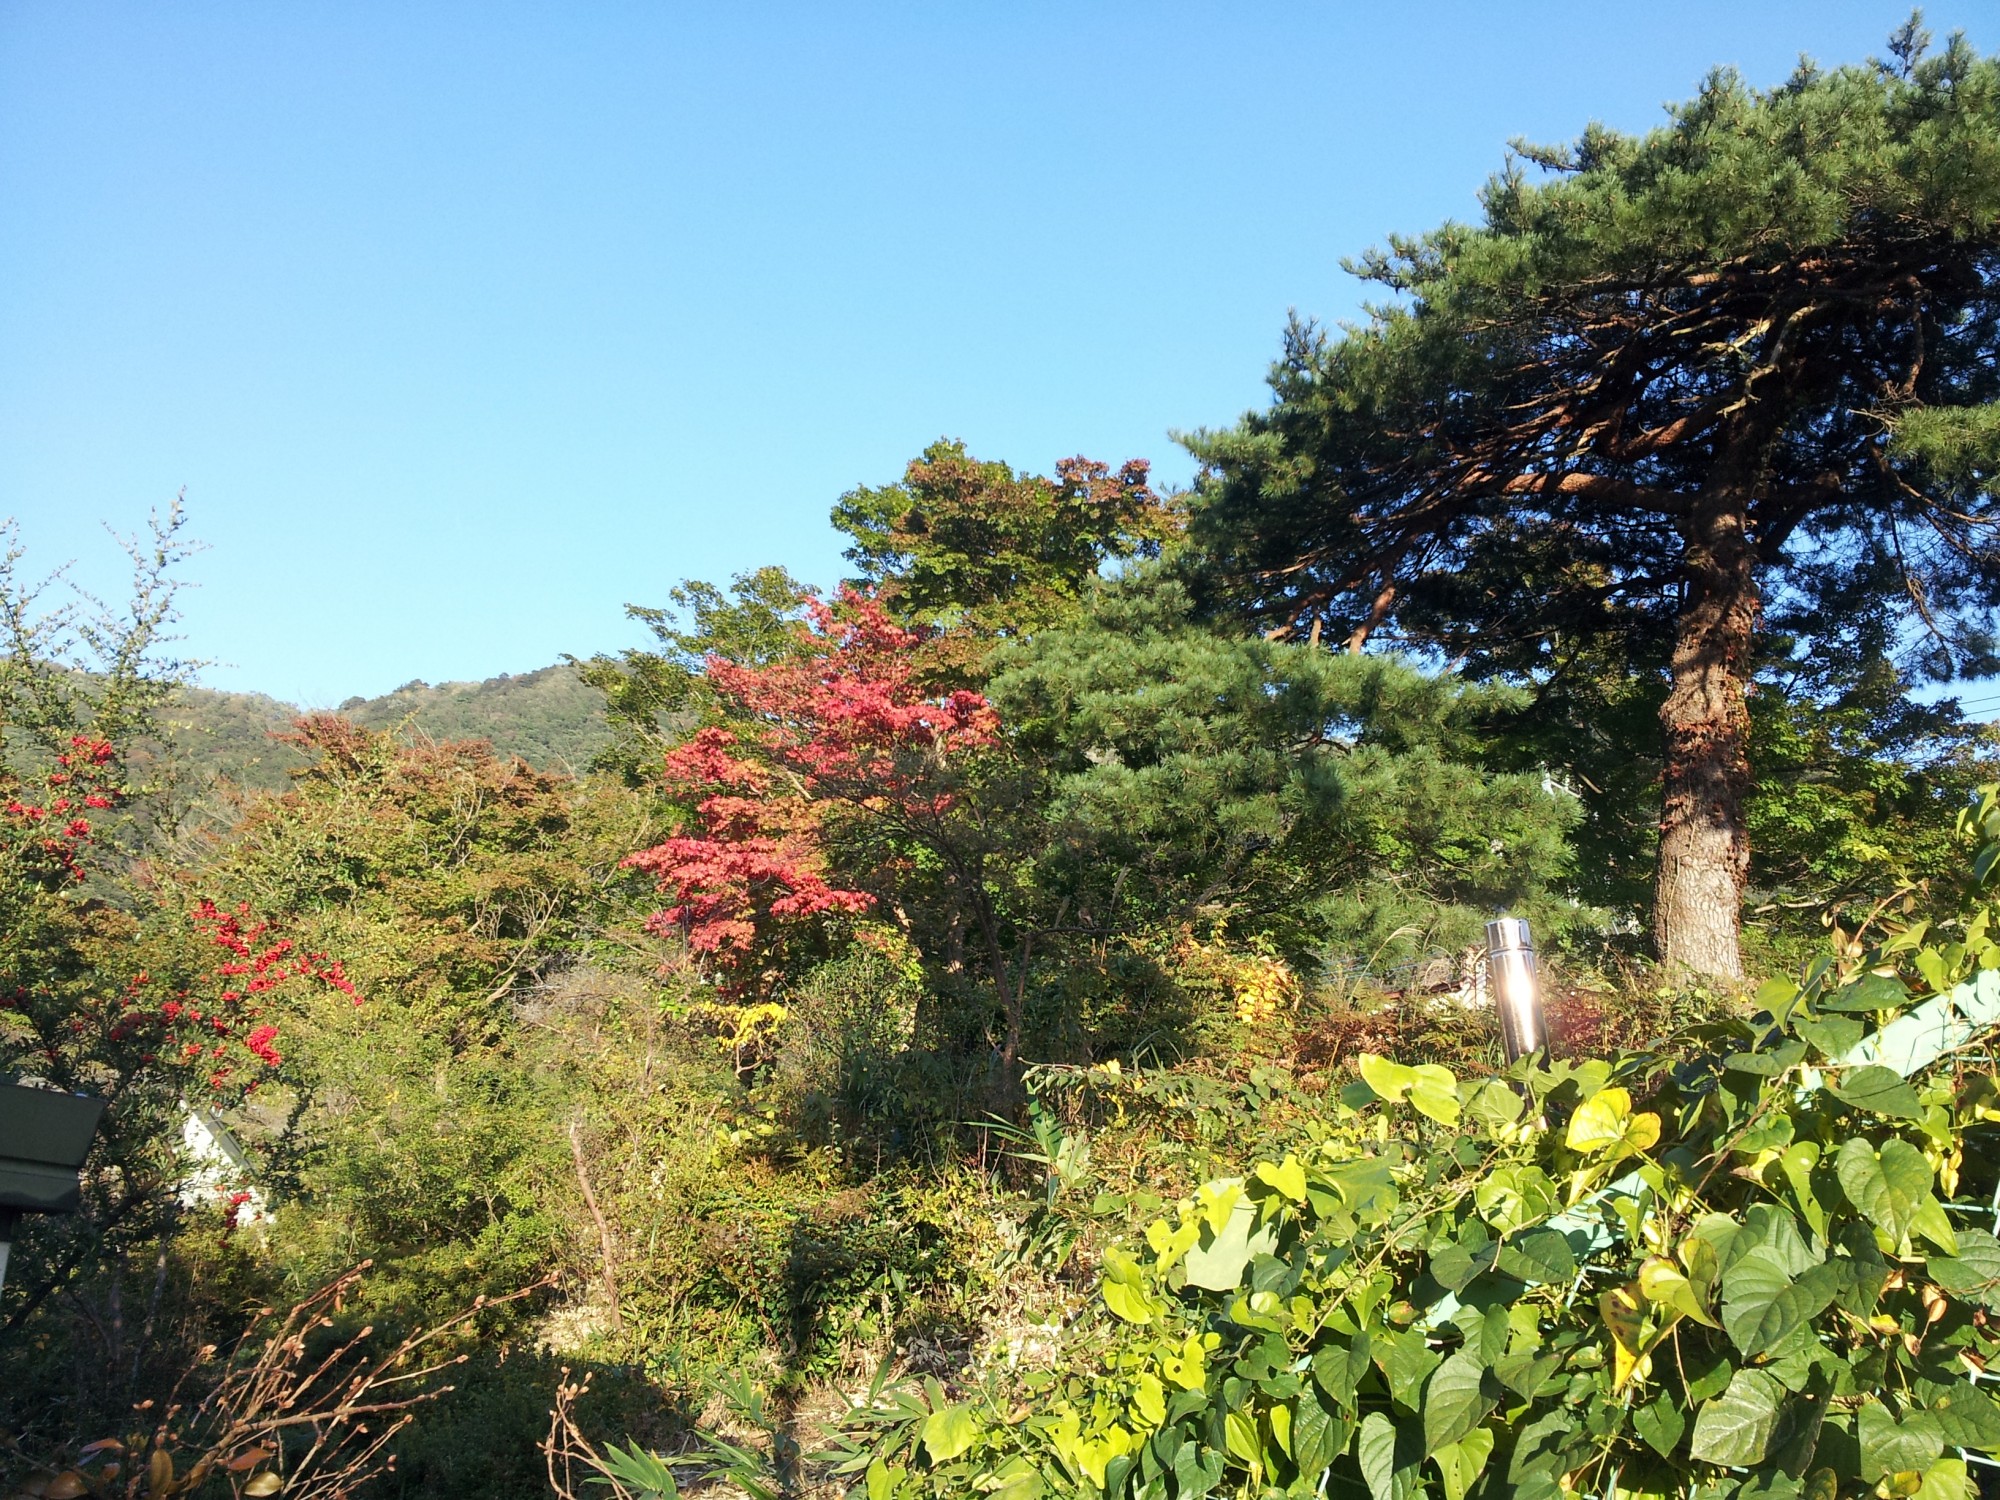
x=1744, y=365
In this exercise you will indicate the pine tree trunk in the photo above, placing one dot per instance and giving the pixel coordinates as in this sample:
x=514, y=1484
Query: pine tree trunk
x=1704, y=846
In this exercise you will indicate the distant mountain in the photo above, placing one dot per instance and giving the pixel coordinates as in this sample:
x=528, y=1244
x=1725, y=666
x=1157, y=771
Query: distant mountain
x=549, y=718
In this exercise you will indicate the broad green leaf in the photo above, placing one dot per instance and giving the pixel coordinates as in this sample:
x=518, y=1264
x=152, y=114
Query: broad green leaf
x=1452, y=1265
x=1834, y=1036
x=1391, y=1469
x=1510, y=1198
x=1318, y=1437
x=1768, y=1226
x=1280, y=1420
x=1366, y=1186
x=1974, y=1273
x=1735, y=1428
x=1197, y=1470
x=1879, y=1090
x=1889, y=1446
x=1761, y=1315
x=1432, y=1090
x=1860, y=1275
x=1455, y=1401
x=1797, y=1161
x=1338, y=1371
x=1463, y=1461
x=1526, y=1373
x=949, y=1432
x=1494, y=1105
x=1947, y=1479
x=1749, y=1287
x=1435, y=1093
x=1870, y=992
x=1538, y=1257
x=1968, y=1418
x=1390, y=1080
x=1929, y=1221
x=1604, y=1124
x=1406, y=1359
x=1149, y=1399
x=1663, y=1282
x=1239, y=1432
x=1888, y=1188
x=1662, y=1424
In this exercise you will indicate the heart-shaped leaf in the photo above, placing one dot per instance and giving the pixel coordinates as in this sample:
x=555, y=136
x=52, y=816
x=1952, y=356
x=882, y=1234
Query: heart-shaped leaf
x=1887, y=1187
x=1736, y=1427
x=1879, y=1090
x=1455, y=1401
x=1604, y=1124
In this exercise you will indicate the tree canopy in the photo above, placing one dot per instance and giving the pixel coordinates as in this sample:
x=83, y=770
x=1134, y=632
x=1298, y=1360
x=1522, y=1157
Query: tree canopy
x=1742, y=366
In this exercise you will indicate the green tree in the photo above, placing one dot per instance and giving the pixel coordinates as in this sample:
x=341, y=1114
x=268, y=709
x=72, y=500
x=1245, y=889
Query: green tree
x=656, y=698
x=973, y=545
x=1743, y=364
x=1195, y=776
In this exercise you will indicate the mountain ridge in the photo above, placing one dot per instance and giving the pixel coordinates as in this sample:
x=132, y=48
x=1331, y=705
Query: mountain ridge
x=549, y=717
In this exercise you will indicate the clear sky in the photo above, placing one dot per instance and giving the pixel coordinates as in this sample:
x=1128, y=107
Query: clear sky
x=463, y=325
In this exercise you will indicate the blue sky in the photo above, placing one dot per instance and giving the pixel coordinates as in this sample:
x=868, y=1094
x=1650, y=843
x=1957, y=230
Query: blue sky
x=464, y=325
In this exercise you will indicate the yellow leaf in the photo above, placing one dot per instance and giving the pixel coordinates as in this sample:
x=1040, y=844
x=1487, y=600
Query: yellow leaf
x=1661, y=1281
x=1287, y=1176
x=1624, y=1317
x=1189, y=1368
x=1388, y=1079
x=1605, y=1124
x=1150, y=1397
x=1170, y=1245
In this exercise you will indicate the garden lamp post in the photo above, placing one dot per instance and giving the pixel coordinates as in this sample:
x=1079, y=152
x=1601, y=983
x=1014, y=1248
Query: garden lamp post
x=44, y=1136
x=1517, y=987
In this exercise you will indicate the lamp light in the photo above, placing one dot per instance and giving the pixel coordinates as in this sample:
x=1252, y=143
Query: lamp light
x=1516, y=986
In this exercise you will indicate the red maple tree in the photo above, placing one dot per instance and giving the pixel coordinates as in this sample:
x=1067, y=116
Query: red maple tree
x=845, y=728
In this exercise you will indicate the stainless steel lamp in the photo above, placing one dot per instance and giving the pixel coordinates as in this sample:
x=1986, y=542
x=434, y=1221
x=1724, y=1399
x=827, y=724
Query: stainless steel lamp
x=1516, y=986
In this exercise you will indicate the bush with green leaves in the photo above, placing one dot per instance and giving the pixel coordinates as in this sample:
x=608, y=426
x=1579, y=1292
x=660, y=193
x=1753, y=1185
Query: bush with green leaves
x=1757, y=1263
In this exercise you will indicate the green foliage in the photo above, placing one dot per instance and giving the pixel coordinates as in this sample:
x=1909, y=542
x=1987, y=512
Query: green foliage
x=1765, y=1254
x=654, y=698
x=1739, y=366
x=975, y=546
x=449, y=875
x=1280, y=792
x=1857, y=788
x=550, y=718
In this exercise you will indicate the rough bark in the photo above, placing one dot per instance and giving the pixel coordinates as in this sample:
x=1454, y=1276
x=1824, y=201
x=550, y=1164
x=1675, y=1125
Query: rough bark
x=1705, y=723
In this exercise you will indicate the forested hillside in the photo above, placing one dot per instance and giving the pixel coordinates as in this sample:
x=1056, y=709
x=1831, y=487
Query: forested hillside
x=1013, y=1022
x=548, y=717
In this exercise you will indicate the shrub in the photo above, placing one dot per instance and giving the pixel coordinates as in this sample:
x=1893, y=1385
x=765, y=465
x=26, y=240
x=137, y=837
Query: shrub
x=1754, y=1264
